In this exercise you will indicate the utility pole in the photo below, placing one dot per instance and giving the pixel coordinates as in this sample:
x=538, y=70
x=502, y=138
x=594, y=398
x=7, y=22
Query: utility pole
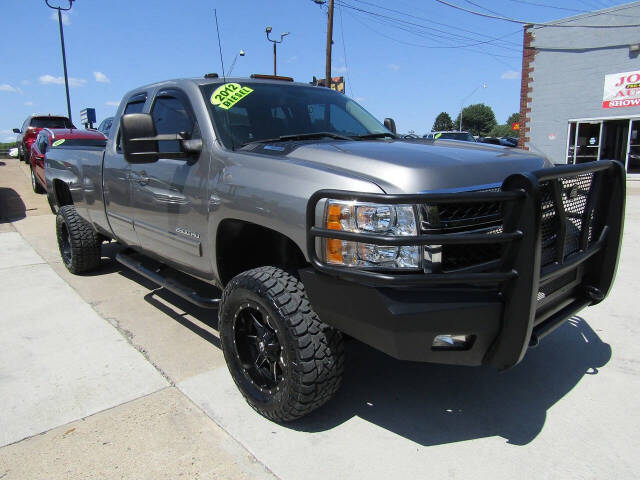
x=275, y=42
x=329, y=43
x=64, y=55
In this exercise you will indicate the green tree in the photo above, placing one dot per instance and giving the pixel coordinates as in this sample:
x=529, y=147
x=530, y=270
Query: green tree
x=502, y=131
x=478, y=119
x=443, y=122
x=513, y=118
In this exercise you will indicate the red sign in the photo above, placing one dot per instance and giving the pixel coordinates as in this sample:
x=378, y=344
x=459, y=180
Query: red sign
x=515, y=126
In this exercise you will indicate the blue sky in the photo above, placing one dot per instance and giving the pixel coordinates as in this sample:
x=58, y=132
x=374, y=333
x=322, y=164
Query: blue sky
x=116, y=45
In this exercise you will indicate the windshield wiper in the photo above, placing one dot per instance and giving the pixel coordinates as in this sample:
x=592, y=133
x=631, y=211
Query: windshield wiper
x=299, y=136
x=376, y=135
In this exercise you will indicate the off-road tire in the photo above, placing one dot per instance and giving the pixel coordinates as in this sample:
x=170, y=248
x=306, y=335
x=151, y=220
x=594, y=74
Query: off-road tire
x=313, y=351
x=35, y=184
x=83, y=254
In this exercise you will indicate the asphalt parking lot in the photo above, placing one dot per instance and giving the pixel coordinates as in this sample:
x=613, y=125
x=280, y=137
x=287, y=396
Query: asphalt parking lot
x=105, y=376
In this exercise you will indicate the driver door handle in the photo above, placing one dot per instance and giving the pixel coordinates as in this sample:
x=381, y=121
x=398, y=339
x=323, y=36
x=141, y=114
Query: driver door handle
x=142, y=178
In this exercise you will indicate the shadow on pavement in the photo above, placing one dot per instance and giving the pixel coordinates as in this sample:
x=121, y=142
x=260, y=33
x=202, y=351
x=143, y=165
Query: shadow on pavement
x=437, y=404
x=427, y=403
x=12, y=207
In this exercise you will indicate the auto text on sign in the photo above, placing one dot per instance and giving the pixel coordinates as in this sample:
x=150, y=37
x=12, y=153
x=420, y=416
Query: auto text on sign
x=621, y=90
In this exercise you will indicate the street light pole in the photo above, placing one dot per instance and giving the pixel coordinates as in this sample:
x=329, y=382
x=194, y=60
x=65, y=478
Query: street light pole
x=275, y=42
x=484, y=85
x=64, y=54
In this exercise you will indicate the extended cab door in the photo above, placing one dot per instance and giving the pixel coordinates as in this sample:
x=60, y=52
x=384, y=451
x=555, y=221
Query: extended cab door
x=170, y=196
x=116, y=178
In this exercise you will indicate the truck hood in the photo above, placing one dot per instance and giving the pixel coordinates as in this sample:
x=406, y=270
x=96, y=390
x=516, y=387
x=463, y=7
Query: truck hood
x=412, y=167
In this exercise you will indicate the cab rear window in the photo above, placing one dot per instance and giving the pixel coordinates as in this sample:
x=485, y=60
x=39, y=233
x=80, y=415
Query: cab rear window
x=50, y=122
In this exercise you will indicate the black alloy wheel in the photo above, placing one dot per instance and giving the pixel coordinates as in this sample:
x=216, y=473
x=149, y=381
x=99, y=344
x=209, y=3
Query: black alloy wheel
x=257, y=347
x=64, y=242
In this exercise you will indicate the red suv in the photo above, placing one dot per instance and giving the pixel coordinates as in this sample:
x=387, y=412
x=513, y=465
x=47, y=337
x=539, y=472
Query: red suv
x=57, y=138
x=32, y=126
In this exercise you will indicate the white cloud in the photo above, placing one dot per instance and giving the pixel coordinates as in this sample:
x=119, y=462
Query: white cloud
x=292, y=59
x=6, y=132
x=393, y=67
x=112, y=103
x=5, y=87
x=101, y=77
x=339, y=69
x=66, y=19
x=73, y=82
x=510, y=75
x=28, y=104
x=26, y=82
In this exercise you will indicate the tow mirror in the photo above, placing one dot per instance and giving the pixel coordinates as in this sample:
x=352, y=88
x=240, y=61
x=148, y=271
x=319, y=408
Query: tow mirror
x=138, y=132
x=391, y=125
x=16, y=130
x=140, y=141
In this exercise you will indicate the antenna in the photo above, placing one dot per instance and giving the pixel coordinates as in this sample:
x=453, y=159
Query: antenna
x=215, y=12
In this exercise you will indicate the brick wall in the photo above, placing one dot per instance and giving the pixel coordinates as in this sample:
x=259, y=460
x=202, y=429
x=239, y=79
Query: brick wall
x=526, y=87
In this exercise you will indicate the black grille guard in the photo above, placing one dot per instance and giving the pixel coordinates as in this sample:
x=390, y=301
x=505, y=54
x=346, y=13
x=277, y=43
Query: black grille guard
x=518, y=275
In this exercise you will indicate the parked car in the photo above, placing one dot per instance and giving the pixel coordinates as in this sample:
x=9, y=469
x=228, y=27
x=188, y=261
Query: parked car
x=509, y=141
x=451, y=135
x=53, y=136
x=32, y=126
x=316, y=225
x=490, y=140
x=105, y=126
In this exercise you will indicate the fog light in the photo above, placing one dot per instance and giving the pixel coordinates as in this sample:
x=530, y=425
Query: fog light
x=451, y=341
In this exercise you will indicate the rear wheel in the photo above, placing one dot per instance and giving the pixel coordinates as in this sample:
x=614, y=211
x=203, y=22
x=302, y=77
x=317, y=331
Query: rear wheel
x=78, y=242
x=284, y=360
x=35, y=184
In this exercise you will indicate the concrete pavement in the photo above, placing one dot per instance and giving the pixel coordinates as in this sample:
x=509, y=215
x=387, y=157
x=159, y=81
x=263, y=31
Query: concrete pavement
x=77, y=399
x=568, y=411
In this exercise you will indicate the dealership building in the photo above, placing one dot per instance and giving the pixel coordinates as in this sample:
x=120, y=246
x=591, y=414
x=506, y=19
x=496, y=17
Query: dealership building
x=580, y=94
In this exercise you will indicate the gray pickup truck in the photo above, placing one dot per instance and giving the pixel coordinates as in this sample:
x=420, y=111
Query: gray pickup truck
x=316, y=222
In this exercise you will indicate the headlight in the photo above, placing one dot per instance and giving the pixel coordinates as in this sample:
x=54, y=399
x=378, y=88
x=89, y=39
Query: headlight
x=391, y=220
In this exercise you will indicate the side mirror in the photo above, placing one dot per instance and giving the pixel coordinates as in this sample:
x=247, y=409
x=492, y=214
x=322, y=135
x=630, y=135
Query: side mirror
x=16, y=130
x=390, y=124
x=138, y=131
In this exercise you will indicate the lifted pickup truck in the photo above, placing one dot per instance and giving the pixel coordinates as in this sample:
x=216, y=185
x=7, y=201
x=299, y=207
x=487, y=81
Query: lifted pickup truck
x=316, y=221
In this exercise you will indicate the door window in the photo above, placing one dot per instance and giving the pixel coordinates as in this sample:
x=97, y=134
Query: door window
x=171, y=115
x=588, y=142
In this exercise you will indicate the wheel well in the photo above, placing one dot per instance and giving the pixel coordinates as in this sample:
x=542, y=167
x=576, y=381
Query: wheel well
x=62, y=193
x=241, y=246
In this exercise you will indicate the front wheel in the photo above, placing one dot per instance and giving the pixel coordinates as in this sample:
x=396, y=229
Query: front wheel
x=37, y=188
x=284, y=360
x=78, y=241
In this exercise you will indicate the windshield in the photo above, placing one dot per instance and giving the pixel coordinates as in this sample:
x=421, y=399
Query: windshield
x=466, y=136
x=251, y=112
x=50, y=122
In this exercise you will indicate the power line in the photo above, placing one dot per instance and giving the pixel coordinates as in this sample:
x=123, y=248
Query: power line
x=535, y=4
x=413, y=24
x=482, y=8
x=522, y=22
x=494, y=56
x=414, y=16
x=344, y=51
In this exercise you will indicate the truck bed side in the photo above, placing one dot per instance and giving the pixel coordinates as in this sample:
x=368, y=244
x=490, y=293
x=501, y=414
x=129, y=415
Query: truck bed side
x=78, y=171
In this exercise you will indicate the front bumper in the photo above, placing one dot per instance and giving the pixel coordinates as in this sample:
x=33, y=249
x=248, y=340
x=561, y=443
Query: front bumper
x=505, y=307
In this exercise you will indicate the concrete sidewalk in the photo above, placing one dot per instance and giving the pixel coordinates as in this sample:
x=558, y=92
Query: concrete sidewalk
x=77, y=400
